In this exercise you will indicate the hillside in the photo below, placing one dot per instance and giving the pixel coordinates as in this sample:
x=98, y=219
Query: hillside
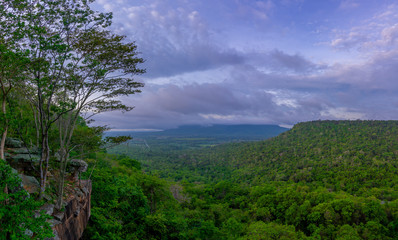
x=319, y=180
x=363, y=153
x=158, y=151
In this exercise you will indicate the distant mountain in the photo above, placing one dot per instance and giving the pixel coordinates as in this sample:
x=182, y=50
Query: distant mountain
x=244, y=131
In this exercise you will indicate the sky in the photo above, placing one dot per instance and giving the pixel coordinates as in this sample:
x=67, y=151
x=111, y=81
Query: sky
x=258, y=61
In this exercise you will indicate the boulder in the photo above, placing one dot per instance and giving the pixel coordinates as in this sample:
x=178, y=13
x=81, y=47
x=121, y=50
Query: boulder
x=76, y=167
x=24, y=162
x=48, y=208
x=59, y=216
x=13, y=143
x=79, y=165
x=30, y=184
x=25, y=158
x=23, y=150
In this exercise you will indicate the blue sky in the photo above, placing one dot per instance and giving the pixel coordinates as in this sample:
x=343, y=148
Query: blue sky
x=259, y=61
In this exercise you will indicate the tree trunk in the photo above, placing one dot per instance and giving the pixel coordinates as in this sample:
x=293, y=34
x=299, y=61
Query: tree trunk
x=63, y=157
x=6, y=193
x=66, y=128
x=3, y=143
x=4, y=135
x=45, y=157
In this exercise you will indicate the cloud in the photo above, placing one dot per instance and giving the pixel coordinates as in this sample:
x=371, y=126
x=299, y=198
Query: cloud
x=376, y=33
x=342, y=113
x=377, y=73
x=172, y=39
x=350, y=40
x=171, y=61
x=390, y=34
x=193, y=78
x=246, y=95
x=295, y=62
x=281, y=62
x=249, y=95
x=348, y=4
x=259, y=9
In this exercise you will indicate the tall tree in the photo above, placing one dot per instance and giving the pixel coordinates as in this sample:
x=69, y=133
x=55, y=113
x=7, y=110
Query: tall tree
x=102, y=70
x=12, y=67
x=46, y=29
x=76, y=65
x=12, y=62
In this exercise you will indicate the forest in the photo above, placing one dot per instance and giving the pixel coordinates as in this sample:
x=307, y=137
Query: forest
x=319, y=180
x=60, y=65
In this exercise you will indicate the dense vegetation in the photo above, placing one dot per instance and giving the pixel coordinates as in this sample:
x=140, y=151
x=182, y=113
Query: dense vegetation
x=16, y=218
x=320, y=180
x=160, y=150
x=59, y=65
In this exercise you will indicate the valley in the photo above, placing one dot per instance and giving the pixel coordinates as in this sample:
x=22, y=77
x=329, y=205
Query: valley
x=318, y=180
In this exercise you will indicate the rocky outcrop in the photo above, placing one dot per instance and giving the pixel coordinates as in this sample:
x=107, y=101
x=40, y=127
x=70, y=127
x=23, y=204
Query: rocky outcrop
x=76, y=167
x=30, y=184
x=21, y=158
x=72, y=222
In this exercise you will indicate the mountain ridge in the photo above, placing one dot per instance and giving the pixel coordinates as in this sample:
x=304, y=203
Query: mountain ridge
x=250, y=131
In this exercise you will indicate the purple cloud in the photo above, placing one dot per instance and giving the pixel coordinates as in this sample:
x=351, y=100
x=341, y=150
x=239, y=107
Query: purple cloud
x=259, y=61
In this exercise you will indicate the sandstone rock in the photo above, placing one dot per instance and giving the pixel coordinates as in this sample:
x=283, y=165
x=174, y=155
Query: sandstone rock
x=79, y=165
x=56, y=237
x=48, y=208
x=76, y=213
x=59, y=216
x=79, y=193
x=25, y=158
x=30, y=184
x=24, y=162
x=53, y=222
x=75, y=218
x=22, y=150
x=76, y=167
x=20, y=157
x=13, y=143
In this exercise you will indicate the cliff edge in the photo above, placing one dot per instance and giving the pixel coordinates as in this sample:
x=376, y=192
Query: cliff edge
x=71, y=223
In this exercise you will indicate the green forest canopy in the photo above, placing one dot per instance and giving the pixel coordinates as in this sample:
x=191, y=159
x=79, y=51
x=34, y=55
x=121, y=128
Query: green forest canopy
x=319, y=180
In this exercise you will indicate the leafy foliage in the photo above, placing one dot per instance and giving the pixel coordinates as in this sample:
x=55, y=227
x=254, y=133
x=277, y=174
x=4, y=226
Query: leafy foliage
x=320, y=180
x=128, y=204
x=19, y=218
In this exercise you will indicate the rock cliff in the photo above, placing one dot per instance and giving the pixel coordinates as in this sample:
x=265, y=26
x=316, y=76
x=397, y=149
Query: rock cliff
x=70, y=222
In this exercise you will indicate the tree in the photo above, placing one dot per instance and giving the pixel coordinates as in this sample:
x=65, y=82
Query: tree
x=12, y=61
x=260, y=230
x=103, y=69
x=76, y=66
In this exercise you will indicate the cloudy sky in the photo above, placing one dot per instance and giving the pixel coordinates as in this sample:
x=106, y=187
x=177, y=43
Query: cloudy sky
x=258, y=61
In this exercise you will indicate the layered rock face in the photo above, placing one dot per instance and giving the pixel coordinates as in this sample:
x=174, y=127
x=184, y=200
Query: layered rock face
x=72, y=222
x=69, y=223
